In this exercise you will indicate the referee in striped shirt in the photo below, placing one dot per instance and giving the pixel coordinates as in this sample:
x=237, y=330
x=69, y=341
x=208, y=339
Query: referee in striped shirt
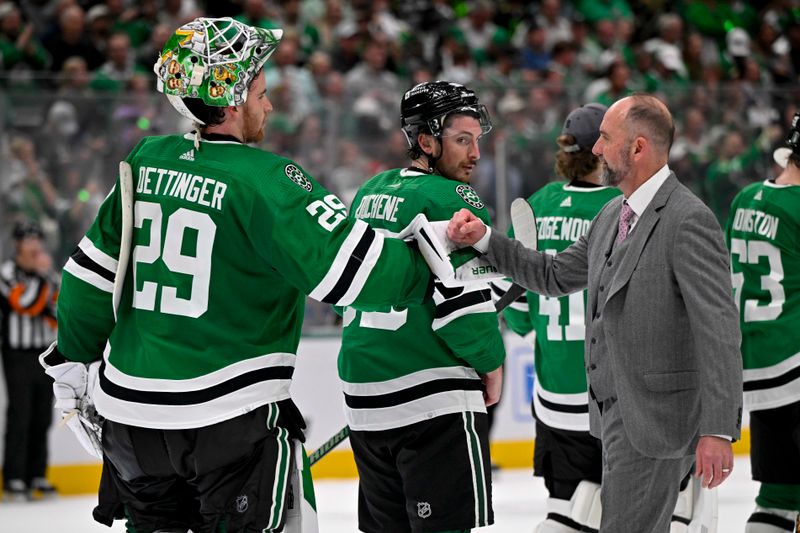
x=28, y=292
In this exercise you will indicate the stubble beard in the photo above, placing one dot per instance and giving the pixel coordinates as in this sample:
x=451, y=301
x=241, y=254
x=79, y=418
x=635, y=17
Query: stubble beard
x=612, y=177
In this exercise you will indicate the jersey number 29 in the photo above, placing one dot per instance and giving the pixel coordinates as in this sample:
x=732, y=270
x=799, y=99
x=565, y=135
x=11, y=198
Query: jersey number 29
x=198, y=266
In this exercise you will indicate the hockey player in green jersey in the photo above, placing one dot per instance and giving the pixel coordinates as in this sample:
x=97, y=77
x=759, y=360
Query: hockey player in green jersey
x=565, y=454
x=199, y=430
x=763, y=234
x=417, y=380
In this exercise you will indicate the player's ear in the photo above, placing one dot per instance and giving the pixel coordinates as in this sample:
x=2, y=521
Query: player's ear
x=425, y=142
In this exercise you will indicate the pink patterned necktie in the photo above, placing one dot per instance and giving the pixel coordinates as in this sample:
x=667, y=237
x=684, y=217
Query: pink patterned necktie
x=625, y=217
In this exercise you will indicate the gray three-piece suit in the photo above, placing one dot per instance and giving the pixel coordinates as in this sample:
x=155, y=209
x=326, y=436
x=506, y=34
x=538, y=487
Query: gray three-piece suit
x=662, y=344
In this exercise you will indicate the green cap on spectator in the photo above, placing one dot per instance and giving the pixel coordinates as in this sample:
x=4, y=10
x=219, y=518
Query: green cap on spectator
x=213, y=59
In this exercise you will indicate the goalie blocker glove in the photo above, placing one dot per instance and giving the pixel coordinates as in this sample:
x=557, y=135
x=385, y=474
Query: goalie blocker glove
x=73, y=387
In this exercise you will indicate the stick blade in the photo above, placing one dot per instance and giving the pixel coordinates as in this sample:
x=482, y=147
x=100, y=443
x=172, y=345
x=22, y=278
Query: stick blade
x=524, y=221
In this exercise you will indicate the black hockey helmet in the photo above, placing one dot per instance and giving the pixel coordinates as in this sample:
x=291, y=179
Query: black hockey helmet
x=792, y=145
x=425, y=107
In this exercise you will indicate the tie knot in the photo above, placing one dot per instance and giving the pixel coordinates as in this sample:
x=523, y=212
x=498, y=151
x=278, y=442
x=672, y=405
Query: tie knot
x=625, y=217
x=626, y=214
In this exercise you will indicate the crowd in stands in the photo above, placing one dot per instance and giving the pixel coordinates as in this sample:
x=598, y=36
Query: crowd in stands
x=77, y=89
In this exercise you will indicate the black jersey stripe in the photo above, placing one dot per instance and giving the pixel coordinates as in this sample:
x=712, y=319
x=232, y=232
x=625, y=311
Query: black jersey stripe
x=465, y=300
x=351, y=268
x=86, y=262
x=196, y=396
x=772, y=383
x=564, y=408
x=412, y=393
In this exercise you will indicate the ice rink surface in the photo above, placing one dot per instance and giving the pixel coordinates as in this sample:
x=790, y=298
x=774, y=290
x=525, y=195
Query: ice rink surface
x=519, y=503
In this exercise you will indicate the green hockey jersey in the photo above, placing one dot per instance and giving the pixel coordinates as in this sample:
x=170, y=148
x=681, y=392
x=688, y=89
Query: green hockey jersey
x=404, y=365
x=227, y=240
x=763, y=235
x=563, y=214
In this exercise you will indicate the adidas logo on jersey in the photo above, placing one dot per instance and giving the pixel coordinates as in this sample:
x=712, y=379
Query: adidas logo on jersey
x=188, y=156
x=758, y=195
x=566, y=202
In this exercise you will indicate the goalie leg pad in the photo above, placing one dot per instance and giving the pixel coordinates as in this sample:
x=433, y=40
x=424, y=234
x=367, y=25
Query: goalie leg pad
x=585, y=504
x=770, y=520
x=696, y=509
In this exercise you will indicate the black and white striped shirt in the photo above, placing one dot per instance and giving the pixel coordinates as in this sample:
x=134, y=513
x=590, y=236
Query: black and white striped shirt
x=27, y=307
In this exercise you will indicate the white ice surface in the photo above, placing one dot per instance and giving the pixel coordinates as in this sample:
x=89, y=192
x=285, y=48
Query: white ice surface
x=519, y=503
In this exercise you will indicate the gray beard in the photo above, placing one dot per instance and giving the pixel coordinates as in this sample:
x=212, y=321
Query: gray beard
x=610, y=177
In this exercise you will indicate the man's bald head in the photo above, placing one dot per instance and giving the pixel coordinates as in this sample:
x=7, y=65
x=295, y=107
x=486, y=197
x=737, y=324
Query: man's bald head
x=647, y=116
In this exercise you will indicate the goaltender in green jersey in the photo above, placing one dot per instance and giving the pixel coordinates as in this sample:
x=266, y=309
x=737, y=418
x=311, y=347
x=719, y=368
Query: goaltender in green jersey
x=417, y=380
x=200, y=432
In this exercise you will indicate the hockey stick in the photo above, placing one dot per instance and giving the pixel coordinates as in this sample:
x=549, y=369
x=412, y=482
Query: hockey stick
x=524, y=222
x=126, y=196
x=328, y=445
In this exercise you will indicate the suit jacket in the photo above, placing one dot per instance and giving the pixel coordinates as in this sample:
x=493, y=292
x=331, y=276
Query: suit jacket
x=667, y=318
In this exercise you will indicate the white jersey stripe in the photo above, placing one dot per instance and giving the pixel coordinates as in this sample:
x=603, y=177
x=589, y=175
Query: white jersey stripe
x=560, y=419
x=364, y=270
x=97, y=255
x=482, y=307
x=199, y=383
x=438, y=404
x=86, y=275
x=377, y=388
x=156, y=416
x=756, y=374
x=772, y=397
x=340, y=262
x=474, y=476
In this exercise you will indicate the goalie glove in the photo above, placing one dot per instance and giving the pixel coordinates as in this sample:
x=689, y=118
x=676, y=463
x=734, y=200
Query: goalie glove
x=73, y=387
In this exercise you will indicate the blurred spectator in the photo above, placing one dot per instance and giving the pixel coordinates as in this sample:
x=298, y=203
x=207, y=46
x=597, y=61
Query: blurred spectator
x=691, y=152
x=147, y=54
x=600, y=49
x=27, y=189
x=773, y=48
x=557, y=27
x=175, y=13
x=699, y=53
x=730, y=172
x=28, y=292
x=20, y=52
x=596, y=10
x=668, y=44
x=478, y=31
x=384, y=22
x=255, y=13
x=613, y=87
x=69, y=40
x=113, y=75
x=136, y=20
x=458, y=65
x=351, y=170
x=286, y=75
x=328, y=24
x=714, y=17
x=535, y=55
x=373, y=91
x=99, y=21
x=293, y=20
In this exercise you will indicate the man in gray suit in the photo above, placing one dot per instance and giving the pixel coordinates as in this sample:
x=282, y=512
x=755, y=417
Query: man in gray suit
x=662, y=334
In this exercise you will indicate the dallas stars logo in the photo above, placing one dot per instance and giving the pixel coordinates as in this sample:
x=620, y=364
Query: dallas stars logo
x=295, y=174
x=469, y=195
